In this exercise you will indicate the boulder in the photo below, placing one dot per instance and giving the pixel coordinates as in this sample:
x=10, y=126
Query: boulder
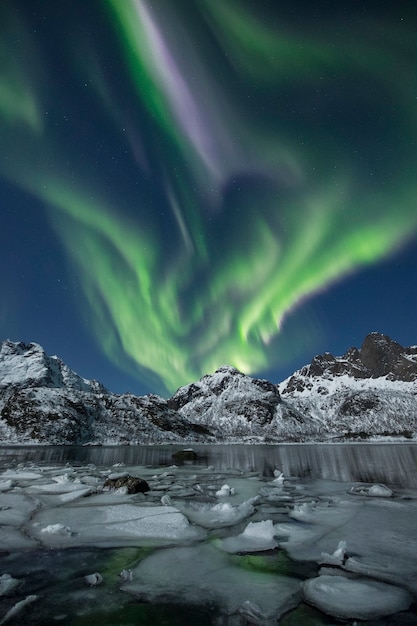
x=133, y=484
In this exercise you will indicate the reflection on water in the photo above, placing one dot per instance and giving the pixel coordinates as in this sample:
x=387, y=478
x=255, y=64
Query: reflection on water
x=393, y=464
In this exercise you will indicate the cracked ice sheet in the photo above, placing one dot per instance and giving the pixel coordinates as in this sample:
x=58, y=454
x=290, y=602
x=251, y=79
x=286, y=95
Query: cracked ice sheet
x=15, y=508
x=205, y=576
x=379, y=533
x=112, y=526
x=12, y=539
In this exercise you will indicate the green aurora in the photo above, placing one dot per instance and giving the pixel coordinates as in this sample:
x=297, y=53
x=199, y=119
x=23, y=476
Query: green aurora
x=209, y=167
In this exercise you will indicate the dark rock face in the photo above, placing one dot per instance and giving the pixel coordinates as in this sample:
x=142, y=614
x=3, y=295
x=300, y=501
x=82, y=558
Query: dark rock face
x=133, y=484
x=384, y=357
x=358, y=405
x=378, y=356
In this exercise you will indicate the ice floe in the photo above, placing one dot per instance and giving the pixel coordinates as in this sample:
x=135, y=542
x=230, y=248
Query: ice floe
x=204, y=576
x=225, y=491
x=7, y=584
x=218, y=515
x=112, y=525
x=358, y=599
x=18, y=607
x=376, y=491
x=257, y=537
x=94, y=579
x=338, y=557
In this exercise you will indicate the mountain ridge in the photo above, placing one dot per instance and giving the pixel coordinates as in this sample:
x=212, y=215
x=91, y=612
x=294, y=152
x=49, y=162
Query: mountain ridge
x=367, y=392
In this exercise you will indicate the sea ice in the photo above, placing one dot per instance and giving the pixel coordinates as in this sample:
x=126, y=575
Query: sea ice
x=11, y=538
x=278, y=477
x=18, y=607
x=57, y=486
x=56, y=529
x=380, y=533
x=7, y=584
x=222, y=514
x=338, y=557
x=355, y=599
x=257, y=537
x=94, y=579
x=15, y=508
x=225, y=491
x=376, y=491
x=205, y=576
x=20, y=475
x=117, y=525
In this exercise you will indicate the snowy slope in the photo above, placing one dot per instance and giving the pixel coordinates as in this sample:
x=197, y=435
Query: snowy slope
x=229, y=403
x=370, y=391
x=367, y=392
x=44, y=401
x=27, y=365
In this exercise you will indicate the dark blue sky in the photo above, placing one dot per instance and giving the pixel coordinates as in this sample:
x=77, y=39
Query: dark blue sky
x=206, y=183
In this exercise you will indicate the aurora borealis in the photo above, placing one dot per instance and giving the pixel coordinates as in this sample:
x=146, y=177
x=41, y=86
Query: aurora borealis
x=206, y=169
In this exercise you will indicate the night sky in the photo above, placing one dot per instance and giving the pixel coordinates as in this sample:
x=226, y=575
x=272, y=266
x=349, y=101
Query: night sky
x=191, y=183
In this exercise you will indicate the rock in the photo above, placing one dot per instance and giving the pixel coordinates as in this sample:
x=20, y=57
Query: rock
x=185, y=455
x=133, y=484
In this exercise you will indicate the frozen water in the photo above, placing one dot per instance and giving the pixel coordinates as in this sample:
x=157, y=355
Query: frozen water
x=94, y=579
x=357, y=599
x=15, y=508
x=112, y=525
x=225, y=491
x=379, y=533
x=7, y=584
x=20, y=475
x=338, y=557
x=377, y=491
x=217, y=550
x=11, y=538
x=219, y=515
x=204, y=576
x=56, y=529
x=257, y=537
x=278, y=477
x=18, y=607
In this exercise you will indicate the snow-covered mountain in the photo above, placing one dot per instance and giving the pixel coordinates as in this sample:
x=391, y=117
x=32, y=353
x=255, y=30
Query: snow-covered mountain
x=43, y=401
x=237, y=407
x=371, y=391
x=27, y=365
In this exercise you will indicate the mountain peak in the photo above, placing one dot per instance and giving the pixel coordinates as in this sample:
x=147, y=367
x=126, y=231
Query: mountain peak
x=28, y=365
x=379, y=356
x=367, y=391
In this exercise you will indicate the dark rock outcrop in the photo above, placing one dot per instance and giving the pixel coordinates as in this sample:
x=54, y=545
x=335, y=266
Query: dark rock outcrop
x=132, y=484
x=378, y=356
